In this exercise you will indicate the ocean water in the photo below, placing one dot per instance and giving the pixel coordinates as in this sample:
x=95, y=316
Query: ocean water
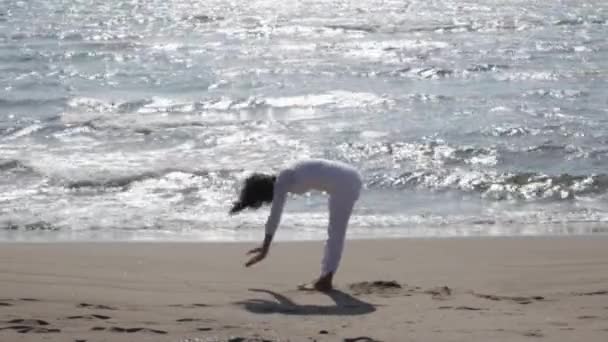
x=136, y=120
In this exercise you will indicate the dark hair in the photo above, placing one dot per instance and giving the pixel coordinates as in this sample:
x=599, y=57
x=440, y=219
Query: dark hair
x=257, y=190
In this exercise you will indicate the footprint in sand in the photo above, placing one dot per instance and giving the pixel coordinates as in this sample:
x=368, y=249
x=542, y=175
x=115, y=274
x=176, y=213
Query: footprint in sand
x=533, y=333
x=28, y=321
x=189, y=306
x=24, y=325
x=518, y=300
x=440, y=293
x=247, y=339
x=464, y=308
x=7, y=302
x=129, y=330
x=197, y=320
x=181, y=320
x=89, y=317
x=592, y=293
x=376, y=287
x=361, y=339
x=387, y=288
x=95, y=306
x=23, y=329
x=187, y=320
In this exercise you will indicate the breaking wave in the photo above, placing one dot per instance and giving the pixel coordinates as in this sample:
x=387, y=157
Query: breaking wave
x=422, y=154
x=334, y=98
x=439, y=167
x=501, y=186
x=122, y=183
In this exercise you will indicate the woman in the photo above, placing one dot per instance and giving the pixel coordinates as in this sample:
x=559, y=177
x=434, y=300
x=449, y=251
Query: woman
x=341, y=181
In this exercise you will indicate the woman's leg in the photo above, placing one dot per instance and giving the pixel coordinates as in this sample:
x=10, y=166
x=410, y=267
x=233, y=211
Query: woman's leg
x=340, y=209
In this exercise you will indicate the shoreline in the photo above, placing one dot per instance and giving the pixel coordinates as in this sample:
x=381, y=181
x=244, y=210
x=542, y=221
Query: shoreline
x=254, y=240
x=592, y=229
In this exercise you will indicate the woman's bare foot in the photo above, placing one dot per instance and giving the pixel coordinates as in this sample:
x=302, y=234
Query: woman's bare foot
x=323, y=284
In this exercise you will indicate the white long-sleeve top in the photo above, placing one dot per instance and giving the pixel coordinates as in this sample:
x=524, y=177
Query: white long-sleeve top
x=316, y=174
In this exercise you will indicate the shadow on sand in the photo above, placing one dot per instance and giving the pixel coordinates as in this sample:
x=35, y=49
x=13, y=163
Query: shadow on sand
x=346, y=305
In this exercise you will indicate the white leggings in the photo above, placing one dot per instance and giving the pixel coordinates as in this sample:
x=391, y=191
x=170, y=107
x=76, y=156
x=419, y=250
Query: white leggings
x=340, y=208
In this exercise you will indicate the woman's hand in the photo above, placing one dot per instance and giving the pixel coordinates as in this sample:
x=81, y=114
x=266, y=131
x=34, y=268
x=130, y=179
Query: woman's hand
x=260, y=254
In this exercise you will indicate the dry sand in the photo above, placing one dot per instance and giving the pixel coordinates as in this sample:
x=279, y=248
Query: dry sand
x=507, y=289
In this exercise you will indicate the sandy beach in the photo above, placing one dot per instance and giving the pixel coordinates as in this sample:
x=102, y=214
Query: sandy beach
x=504, y=289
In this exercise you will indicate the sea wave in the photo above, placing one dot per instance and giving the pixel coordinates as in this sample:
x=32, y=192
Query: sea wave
x=29, y=226
x=501, y=186
x=510, y=131
x=581, y=21
x=13, y=165
x=124, y=182
x=334, y=98
x=556, y=93
x=426, y=154
x=30, y=102
x=439, y=166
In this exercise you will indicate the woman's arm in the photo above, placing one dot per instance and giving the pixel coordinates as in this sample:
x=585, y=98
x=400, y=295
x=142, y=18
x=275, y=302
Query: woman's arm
x=278, y=203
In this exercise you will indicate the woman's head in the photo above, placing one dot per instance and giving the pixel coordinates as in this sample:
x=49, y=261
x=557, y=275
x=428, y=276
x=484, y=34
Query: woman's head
x=257, y=190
